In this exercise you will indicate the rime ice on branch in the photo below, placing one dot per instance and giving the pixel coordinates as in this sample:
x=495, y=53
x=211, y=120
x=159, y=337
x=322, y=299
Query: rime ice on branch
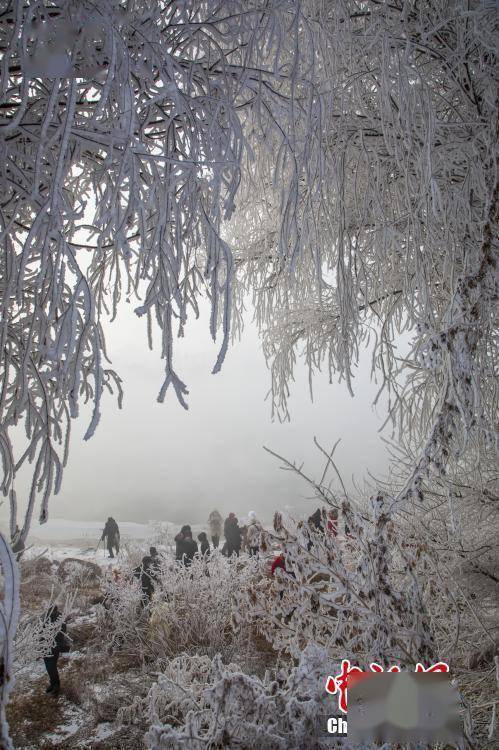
x=123, y=139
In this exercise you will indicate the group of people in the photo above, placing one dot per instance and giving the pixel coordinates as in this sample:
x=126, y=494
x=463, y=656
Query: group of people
x=236, y=537
x=186, y=548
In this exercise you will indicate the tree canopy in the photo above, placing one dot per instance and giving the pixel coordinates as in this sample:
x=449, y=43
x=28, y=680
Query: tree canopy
x=335, y=160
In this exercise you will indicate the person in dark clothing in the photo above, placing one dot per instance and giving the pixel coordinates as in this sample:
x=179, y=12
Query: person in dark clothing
x=155, y=566
x=280, y=562
x=316, y=520
x=145, y=574
x=232, y=535
x=112, y=534
x=59, y=646
x=204, y=545
x=186, y=547
x=314, y=524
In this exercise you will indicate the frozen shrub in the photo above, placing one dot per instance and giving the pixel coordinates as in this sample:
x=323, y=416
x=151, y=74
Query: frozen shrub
x=192, y=608
x=121, y=618
x=284, y=712
x=357, y=597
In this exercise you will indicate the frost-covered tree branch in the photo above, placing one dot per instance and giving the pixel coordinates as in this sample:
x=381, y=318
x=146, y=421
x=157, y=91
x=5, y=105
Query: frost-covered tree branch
x=403, y=238
x=125, y=129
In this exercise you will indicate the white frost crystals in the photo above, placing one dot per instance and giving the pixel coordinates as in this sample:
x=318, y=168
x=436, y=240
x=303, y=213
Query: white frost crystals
x=238, y=710
x=335, y=159
x=117, y=175
x=338, y=163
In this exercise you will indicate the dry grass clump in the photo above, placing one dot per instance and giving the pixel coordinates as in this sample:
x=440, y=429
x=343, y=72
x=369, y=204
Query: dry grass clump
x=37, y=587
x=31, y=714
x=125, y=738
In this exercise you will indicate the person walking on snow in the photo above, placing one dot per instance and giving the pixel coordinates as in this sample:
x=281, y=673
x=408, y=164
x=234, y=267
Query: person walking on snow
x=59, y=646
x=145, y=574
x=204, y=545
x=112, y=534
x=232, y=535
x=253, y=532
x=186, y=547
x=215, y=524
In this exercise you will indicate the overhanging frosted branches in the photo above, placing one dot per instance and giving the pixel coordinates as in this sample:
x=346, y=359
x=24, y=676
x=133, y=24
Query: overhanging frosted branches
x=402, y=237
x=125, y=132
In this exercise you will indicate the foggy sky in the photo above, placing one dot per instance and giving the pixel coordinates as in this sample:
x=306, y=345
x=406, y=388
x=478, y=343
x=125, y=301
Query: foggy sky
x=158, y=461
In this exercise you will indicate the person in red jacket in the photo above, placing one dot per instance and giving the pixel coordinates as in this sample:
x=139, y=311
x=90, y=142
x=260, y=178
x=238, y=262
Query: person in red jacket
x=332, y=522
x=278, y=562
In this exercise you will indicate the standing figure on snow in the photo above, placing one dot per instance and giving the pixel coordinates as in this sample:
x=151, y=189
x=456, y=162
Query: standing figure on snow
x=253, y=531
x=145, y=573
x=315, y=520
x=232, y=535
x=60, y=646
x=204, y=545
x=186, y=547
x=155, y=562
x=112, y=534
x=215, y=524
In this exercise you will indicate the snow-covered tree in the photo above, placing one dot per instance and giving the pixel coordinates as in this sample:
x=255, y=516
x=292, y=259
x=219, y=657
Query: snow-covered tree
x=125, y=131
x=337, y=159
x=401, y=239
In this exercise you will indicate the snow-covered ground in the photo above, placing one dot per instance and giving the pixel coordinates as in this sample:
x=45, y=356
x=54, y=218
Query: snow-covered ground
x=60, y=538
x=60, y=530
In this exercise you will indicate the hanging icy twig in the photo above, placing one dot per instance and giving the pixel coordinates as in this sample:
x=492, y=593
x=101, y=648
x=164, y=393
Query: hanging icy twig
x=124, y=136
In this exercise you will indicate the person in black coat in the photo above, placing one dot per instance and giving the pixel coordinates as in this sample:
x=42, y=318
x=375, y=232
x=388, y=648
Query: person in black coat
x=315, y=520
x=232, y=535
x=59, y=646
x=146, y=573
x=204, y=545
x=112, y=534
x=155, y=563
x=186, y=547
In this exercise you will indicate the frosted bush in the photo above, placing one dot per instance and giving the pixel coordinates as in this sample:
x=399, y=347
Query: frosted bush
x=34, y=639
x=337, y=159
x=281, y=712
x=192, y=608
x=179, y=687
x=358, y=597
x=35, y=634
x=131, y=552
x=121, y=618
